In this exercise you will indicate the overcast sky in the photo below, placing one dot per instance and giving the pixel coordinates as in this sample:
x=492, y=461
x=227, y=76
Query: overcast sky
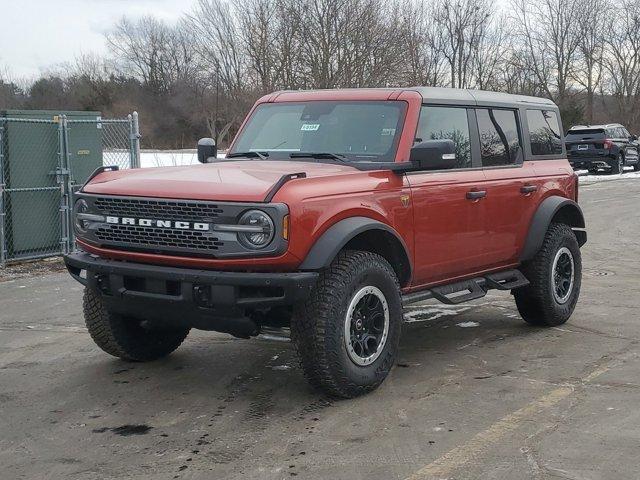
x=38, y=34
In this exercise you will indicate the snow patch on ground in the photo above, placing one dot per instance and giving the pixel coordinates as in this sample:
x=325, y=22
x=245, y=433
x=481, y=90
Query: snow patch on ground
x=422, y=314
x=585, y=178
x=169, y=158
x=467, y=324
x=281, y=367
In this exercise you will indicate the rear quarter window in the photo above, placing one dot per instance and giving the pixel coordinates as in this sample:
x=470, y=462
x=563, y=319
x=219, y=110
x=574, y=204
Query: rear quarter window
x=544, y=132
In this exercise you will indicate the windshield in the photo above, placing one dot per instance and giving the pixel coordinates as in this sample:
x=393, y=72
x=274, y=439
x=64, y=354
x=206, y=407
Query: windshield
x=355, y=131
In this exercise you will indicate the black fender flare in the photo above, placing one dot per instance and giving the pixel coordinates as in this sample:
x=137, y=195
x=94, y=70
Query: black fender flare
x=325, y=249
x=563, y=209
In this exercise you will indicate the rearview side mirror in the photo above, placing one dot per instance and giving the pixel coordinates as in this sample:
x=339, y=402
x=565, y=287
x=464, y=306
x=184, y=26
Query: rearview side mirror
x=433, y=155
x=207, y=149
x=633, y=138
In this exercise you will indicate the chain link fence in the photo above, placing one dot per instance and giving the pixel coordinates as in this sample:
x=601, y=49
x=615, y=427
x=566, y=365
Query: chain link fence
x=42, y=162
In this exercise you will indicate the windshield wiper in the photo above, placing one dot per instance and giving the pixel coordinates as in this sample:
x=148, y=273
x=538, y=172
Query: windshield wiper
x=319, y=155
x=252, y=153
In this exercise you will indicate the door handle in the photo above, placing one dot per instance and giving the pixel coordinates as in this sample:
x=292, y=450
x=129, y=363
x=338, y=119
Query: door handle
x=476, y=194
x=528, y=189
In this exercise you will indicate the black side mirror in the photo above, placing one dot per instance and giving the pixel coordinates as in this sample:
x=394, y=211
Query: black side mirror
x=633, y=138
x=434, y=155
x=207, y=149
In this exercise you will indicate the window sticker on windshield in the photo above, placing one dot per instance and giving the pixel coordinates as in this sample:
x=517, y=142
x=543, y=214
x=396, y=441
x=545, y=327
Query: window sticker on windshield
x=310, y=127
x=388, y=131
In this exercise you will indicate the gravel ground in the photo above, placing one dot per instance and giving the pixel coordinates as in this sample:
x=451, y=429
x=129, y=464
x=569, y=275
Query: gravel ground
x=29, y=269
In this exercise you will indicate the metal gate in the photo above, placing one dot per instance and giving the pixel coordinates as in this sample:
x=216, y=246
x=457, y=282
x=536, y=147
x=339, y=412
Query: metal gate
x=42, y=162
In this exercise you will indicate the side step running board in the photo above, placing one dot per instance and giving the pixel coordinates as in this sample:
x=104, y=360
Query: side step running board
x=466, y=290
x=459, y=292
x=506, y=280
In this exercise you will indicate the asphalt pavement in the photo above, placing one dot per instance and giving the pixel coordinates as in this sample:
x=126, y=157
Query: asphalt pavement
x=477, y=393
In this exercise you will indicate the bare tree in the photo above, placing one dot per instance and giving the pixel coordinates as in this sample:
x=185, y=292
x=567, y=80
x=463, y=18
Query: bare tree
x=592, y=32
x=548, y=31
x=149, y=49
x=463, y=24
x=270, y=36
x=216, y=36
x=489, y=55
x=423, y=50
x=622, y=61
x=11, y=95
x=217, y=39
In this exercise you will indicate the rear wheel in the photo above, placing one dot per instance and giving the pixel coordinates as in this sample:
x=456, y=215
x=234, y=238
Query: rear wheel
x=555, y=275
x=618, y=165
x=347, y=333
x=126, y=337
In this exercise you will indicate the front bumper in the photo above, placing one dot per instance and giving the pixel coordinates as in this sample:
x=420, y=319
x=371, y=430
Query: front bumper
x=205, y=299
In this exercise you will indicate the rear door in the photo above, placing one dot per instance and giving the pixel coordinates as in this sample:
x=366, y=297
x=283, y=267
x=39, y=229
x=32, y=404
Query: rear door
x=511, y=184
x=449, y=223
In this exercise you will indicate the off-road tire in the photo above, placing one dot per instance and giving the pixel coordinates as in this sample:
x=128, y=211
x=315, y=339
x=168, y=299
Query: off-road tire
x=317, y=325
x=124, y=337
x=536, y=302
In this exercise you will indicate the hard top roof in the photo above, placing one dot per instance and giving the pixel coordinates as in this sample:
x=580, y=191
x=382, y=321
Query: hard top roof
x=479, y=97
x=441, y=95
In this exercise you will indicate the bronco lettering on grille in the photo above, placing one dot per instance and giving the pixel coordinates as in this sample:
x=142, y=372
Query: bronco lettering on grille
x=146, y=222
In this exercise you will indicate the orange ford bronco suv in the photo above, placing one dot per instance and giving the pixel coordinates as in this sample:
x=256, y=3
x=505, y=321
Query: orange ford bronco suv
x=332, y=210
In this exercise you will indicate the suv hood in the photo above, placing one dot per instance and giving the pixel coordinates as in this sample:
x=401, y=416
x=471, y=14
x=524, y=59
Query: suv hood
x=241, y=181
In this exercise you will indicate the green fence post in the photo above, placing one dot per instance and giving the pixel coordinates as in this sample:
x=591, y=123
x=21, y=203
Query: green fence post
x=64, y=178
x=3, y=246
x=136, y=141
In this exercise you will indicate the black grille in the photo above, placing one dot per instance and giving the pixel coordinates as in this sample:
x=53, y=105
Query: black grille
x=163, y=209
x=158, y=237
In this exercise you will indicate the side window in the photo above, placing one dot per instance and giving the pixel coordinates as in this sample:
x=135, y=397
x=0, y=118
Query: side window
x=438, y=123
x=544, y=131
x=499, y=139
x=611, y=133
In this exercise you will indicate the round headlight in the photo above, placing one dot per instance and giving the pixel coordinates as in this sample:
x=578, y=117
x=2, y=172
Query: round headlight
x=80, y=206
x=260, y=229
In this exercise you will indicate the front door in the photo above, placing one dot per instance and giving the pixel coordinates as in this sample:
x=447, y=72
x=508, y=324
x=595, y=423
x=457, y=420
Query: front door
x=449, y=206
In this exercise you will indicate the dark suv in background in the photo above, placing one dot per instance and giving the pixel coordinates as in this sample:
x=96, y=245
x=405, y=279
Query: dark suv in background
x=609, y=147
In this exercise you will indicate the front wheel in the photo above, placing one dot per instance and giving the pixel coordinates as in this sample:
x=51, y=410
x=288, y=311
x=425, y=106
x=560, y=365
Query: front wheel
x=555, y=275
x=126, y=337
x=347, y=333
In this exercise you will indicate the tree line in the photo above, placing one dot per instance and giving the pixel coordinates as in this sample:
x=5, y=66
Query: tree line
x=199, y=76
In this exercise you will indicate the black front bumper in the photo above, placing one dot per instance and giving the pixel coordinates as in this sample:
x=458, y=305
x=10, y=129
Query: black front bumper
x=205, y=299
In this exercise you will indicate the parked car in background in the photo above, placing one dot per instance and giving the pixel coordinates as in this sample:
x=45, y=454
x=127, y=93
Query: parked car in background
x=610, y=147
